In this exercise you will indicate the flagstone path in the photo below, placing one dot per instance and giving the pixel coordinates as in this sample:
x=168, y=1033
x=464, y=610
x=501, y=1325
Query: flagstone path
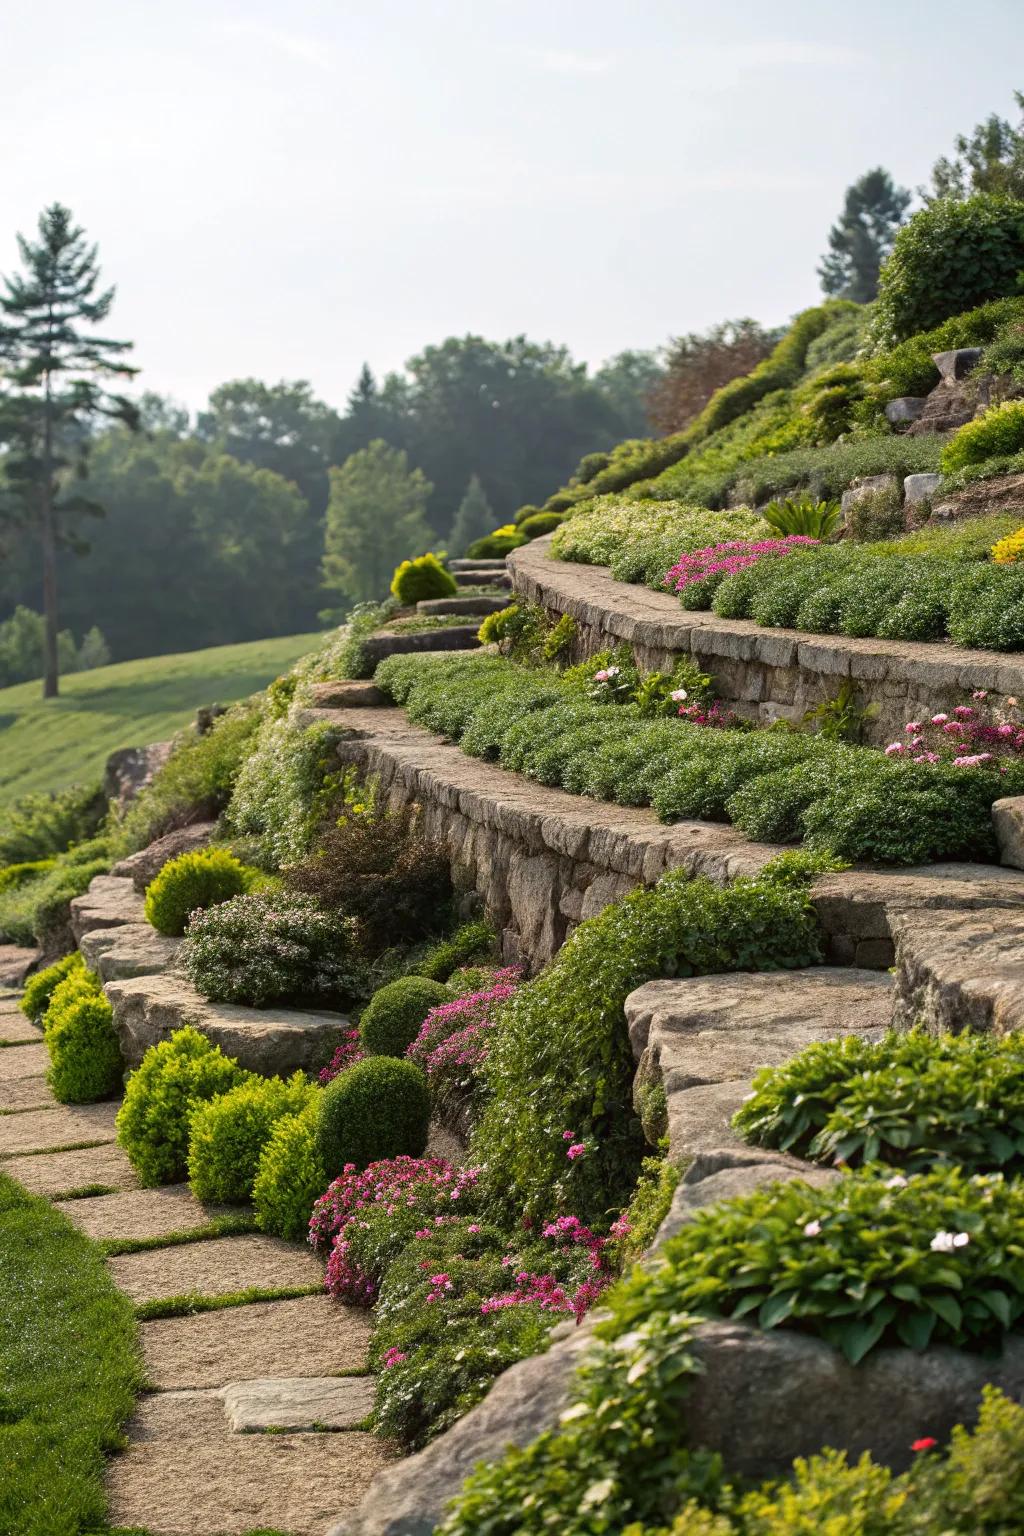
x=252, y=1415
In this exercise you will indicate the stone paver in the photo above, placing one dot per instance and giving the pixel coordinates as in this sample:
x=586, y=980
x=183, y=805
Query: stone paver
x=185, y=1473
x=15, y=1029
x=310, y=1334
x=215, y=1267
x=960, y=970
x=23, y=1061
x=51, y=1129
x=140, y=1213
x=297, y=1403
x=22, y=1093
x=55, y=1173
x=15, y=963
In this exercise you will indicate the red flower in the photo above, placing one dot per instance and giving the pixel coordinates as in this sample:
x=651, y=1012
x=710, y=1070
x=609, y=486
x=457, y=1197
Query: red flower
x=924, y=1444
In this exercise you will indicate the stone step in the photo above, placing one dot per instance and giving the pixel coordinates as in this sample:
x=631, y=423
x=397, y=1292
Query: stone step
x=24, y=1093
x=216, y=1266
x=110, y=901
x=15, y=963
x=481, y=605
x=141, y=1213
x=56, y=1174
x=451, y=637
x=345, y=694
x=305, y=1334
x=126, y=950
x=16, y=1029
x=297, y=1404
x=480, y=564
x=483, y=576
x=960, y=969
x=143, y=867
x=18, y=1061
x=51, y=1130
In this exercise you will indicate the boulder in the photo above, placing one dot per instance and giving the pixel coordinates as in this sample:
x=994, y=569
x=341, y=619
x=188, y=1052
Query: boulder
x=903, y=410
x=143, y=867
x=867, y=487
x=958, y=363
x=110, y=901
x=129, y=949
x=147, y=1009
x=1008, y=821
x=960, y=970
x=15, y=964
x=130, y=769
x=920, y=488
x=722, y=1173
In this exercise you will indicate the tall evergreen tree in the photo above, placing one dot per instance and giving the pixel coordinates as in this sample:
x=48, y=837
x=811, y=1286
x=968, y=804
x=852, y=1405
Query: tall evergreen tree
x=56, y=370
x=376, y=517
x=862, y=237
x=473, y=519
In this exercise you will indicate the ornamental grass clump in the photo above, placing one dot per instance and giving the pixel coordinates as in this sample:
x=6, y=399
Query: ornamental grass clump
x=192, y=882
x=172, y=1078
x=273, y=947
x=910, y=1100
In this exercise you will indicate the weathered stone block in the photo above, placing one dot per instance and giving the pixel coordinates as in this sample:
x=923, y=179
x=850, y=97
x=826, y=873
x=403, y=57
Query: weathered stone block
x=109, y=901
x=903, y=410
x=297, y=1403
x=957, y=363
x=143, y=867
x=919, y=488
x=130, y=949
x=1008, y=820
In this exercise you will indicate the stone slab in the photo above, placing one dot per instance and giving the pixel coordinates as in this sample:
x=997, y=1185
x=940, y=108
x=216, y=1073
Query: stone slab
x=186, y=1474
x=143, y=867
x=297, y=1403
x=306, y=1334
x=467, y=563
x=140, y=1213
x=345, y=694
x=23, y=1061
x=149, y=1008
x=479, y=604
x=723, y=1173
x=24, y=1093
x=15, y=1029
x=55, y=1173
x=109, y=901
x=51, y=1129
x=960, y=970
x=130, y=949
x=215, y=1267
x=389, y=642
x=15, y=963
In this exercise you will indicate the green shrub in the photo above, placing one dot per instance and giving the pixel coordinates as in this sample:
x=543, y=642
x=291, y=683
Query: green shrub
x=85, y=1054
x=228, y=1134
x=272, y=947
x=909, y=369
x=39, y=825
x=496, y=545
x=15, y=874
x=291, y=1174
x=998, y=433
x=380, y=1107
x=392, y=1018
x=172, y=1078
x=474, y=941
x=39, y=988
x=540, y=523
x=424, y=577
x=192, y=882
x=649, y=1204
x=561, y=1062
x=986, y=608
x=285, y=786
x=38, y=910
x=913, y=1100
x=950, y=257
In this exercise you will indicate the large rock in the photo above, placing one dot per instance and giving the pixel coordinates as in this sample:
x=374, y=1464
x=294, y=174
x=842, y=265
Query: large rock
x=129, y=949
x=130, y=769
x=110, y=901
x=960, y=970
x=903, y=410
x=723, y=1173
x=143, y=867
x=147, y=1009
x=920, y=488
x=867, y=488
x=958, y=363
x=1008, y=821
x=15, y=963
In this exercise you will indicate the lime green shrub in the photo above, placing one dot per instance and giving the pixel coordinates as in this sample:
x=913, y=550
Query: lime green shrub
x=172, y=1078
x=424, y=577
x=996, y=434
x=14, y=874
x=392, y=1018
x=950, y=257
x=78, y=1028
x=37, y=826
x=540, y=523
x=192, y=882
x=291, y=1174
x=39, y=988
x=380, y=1107
x=227, y=1134
x=496, y=545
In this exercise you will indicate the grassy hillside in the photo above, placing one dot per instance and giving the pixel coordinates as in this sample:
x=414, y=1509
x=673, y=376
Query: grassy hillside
x=47, y=745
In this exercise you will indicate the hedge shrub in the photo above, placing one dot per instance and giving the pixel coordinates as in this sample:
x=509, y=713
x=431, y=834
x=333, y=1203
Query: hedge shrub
x=272, y=947
x=996, y=434
x=392, y=1018
x=172, y=1078
x=228, y=1134
x=39, y=825
x=39, y=988
x=424, y=577
x=378, y=1108
x=78, y=1029
x=193, y=882
x=290, y=1175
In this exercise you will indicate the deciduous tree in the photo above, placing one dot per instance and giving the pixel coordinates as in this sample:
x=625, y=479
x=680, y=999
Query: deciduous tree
x=376, y=517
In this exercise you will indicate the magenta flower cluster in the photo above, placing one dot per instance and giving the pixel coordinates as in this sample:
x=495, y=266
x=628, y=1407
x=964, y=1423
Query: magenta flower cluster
x=348, y=1053
x=455, y=1034
x=972, y=736
x=728, y=558
x=713, y=716
x=544, y=1290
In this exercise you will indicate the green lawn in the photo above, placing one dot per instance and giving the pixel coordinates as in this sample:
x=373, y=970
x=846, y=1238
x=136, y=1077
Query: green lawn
x=53, y=743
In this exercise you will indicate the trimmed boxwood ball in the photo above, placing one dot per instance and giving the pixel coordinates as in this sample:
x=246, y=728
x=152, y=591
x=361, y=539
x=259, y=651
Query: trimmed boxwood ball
x=425, y=577
x=393, y=1016
x=40, y=988
x=227, y=1134
x=85, y=1055
x=291, y=1174
x=378, y=1108
x=191, y=881
x=172, y=1078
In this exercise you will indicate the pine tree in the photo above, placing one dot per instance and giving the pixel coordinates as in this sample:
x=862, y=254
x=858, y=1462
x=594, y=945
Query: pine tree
x=54, y=366
x=375, y=519
x=473, y=519
x=862, y=237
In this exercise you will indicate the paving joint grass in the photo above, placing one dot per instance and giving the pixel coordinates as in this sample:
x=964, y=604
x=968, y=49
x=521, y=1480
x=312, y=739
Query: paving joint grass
x=193, y=1302
x=221, y=1226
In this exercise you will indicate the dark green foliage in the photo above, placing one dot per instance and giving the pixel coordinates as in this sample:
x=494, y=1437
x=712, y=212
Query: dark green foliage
x=474, y=941
x=37, y=911
x=991, y=159
x=862, y=237
x=290, y=1175
x=912, y=1100
x=986, y=608
x=908, y=368
x=473, y=519
x=540, y=523
x=71, y=1369
x=273, y=947
x=380, y=1107
x=803, y=515
x=40, y=988
x=496, y=545
x=78, y=1027
x=380, y=870
x=392, y=1018
x=949, y=258
x=228, y=1134
x=561, y=1061
x=172, y=1078
x=420, y=578
x=191, y=882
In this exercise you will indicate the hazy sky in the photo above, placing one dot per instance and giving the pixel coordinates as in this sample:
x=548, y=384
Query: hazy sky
x=285, y=190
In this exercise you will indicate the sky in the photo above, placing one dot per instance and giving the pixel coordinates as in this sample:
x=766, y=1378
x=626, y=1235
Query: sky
x=289, y=190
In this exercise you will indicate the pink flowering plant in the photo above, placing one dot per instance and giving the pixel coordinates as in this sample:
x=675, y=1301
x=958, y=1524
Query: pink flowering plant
x=452, y=1044
x=976, y=735
x=346, y=1055
x=709, y=567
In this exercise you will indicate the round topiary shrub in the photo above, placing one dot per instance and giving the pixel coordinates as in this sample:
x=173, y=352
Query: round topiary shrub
x=378, y=1108
x=227, y=1134
x=40, y=988
x=174, y=1076
x=85, y=1055
x=272, y=947
x=996, y=434
x=496, y=545
x=393, y=1016
x=190, y=882
x=539, y=523
x=425, y=577
x=950, y=257
x=291, y=1175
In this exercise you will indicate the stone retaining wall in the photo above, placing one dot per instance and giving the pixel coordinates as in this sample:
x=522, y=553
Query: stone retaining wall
x=765, y=674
